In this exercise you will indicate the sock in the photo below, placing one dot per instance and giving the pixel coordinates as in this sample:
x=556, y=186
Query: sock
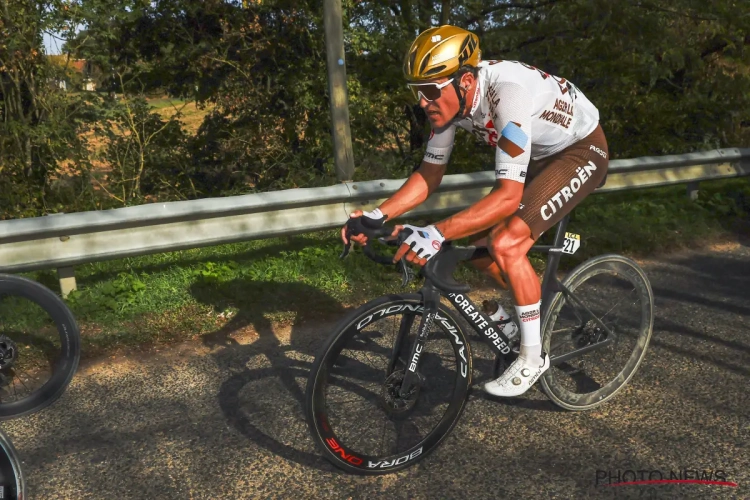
x=530, y=323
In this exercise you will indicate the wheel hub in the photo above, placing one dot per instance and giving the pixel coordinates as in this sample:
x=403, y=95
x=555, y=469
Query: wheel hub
x=591, y=334
x=392, y=400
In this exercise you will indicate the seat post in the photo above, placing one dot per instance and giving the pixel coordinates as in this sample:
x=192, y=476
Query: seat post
x=553, y=259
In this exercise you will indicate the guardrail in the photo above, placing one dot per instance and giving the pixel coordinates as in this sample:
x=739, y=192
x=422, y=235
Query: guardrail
x=63, y=241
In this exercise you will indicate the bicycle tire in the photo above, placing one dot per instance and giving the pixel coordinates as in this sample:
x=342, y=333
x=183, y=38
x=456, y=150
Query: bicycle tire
x=338, y=452
x=618, y=266
x=10, y=466
x=70, y=344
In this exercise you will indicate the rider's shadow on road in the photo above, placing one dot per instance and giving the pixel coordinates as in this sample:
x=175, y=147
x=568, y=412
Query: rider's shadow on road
x=268, y=368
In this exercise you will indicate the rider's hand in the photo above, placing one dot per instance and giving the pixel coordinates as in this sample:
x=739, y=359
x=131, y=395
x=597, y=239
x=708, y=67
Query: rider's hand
x=375, y=215
x=421, y=245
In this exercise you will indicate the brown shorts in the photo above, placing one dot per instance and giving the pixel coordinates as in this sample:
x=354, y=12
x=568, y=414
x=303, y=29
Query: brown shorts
x=556, y=184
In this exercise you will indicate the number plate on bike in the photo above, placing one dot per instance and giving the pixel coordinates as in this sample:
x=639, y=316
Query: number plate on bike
x=572, y=242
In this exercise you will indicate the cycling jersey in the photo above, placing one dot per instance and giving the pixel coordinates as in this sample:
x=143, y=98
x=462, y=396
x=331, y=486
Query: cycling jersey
x=525, y=113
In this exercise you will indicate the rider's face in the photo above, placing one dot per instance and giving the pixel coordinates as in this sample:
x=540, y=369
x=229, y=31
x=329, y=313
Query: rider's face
x=441, y=110
x=444, y=108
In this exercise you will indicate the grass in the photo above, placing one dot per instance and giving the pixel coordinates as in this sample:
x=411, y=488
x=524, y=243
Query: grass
x=164, y=102
x=191, y=118
x=184, y=295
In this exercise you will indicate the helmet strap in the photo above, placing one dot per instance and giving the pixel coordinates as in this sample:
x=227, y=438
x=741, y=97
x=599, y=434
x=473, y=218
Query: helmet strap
x=461, y=93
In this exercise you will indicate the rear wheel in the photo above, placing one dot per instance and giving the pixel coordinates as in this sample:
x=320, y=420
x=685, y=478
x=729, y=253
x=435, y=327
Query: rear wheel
x=354, y=410
x=597, y=337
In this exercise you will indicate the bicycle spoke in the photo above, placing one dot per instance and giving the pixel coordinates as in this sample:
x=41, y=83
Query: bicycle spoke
x=612, y=308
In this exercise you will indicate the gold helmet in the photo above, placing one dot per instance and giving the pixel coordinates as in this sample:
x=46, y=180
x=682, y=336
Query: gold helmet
x=439, y=52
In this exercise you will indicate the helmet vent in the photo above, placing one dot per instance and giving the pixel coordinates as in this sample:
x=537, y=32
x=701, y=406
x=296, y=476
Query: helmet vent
x=424, y=63
x=434, y=70
x=466, y=42
x=467, y=48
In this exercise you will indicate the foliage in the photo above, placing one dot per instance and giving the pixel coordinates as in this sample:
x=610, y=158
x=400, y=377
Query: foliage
x=665, y=78
x=116, y=296
x=144, y=154
x=42, y=146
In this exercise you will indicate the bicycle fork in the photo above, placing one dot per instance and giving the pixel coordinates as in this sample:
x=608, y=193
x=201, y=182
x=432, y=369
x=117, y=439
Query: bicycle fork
x=412, y=378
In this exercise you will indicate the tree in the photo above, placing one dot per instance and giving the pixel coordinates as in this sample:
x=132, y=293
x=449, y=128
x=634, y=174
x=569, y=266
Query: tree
x=40, y=127
x=666, y=79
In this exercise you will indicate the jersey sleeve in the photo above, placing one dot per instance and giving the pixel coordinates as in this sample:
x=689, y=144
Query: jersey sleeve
x=511, y=114
x=440, y=145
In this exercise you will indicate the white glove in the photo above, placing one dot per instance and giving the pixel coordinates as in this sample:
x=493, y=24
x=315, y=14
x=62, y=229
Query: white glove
x=424, y=241
x=375, y=215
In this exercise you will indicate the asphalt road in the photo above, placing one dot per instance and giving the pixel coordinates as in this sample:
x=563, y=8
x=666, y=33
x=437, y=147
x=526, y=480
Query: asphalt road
x=223, y=418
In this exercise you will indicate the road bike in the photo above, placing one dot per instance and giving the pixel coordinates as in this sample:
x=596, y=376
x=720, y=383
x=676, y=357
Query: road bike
x=40, y=346
x=392, y=380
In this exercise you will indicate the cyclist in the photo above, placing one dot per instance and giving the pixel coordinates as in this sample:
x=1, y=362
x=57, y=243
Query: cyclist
x=551, y=153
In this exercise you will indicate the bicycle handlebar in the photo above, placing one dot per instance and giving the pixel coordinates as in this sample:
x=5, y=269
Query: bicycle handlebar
x=373, y=230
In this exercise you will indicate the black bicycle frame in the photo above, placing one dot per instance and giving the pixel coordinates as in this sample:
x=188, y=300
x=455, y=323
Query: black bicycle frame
x=480, y=322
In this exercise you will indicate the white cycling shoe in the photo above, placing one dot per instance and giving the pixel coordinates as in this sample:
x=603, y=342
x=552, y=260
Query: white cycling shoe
x=518, y=378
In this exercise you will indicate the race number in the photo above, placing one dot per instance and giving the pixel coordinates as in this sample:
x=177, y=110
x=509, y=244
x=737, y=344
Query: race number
x=572, y=242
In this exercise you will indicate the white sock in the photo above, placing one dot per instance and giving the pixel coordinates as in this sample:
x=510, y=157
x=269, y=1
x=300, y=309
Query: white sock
x=530, y=323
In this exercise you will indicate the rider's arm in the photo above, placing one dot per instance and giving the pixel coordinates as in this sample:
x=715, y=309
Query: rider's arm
x=423, y=182
x=485, y=213
x=418, y=187
x=512, y=118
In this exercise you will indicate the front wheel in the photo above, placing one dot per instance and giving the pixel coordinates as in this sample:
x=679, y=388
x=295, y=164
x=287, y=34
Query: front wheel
x=597, y=336
x=354, y=408
x=40, y=346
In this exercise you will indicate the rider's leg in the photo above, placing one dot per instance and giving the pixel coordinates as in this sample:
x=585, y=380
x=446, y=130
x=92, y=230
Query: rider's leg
x=486, y=264
x=489, y=267
x=493, y=308
x=554, y=188
x=509, y=244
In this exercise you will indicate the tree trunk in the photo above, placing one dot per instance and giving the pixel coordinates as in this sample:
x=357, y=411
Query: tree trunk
x=406, y=13
x=425, y=12
x=445, y=12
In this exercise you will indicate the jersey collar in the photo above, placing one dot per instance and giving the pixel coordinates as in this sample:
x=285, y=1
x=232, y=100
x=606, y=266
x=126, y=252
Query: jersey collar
x=477, y=97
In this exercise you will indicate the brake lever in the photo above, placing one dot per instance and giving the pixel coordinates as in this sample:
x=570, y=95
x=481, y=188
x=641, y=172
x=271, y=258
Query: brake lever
x=406, y=271
x=402, y=265
x=347, y=249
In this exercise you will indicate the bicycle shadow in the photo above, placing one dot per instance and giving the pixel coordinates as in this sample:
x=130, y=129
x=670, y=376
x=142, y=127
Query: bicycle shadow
x=263, y=397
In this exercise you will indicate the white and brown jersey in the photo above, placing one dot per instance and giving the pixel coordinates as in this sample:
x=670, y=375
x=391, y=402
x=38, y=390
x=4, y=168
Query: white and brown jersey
x=524, y=112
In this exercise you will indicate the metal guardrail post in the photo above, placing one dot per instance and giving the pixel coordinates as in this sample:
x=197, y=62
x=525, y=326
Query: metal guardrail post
x=67, y=277
x=692, y=190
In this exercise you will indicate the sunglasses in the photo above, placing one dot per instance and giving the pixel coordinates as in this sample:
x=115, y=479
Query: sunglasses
x=428, y=91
